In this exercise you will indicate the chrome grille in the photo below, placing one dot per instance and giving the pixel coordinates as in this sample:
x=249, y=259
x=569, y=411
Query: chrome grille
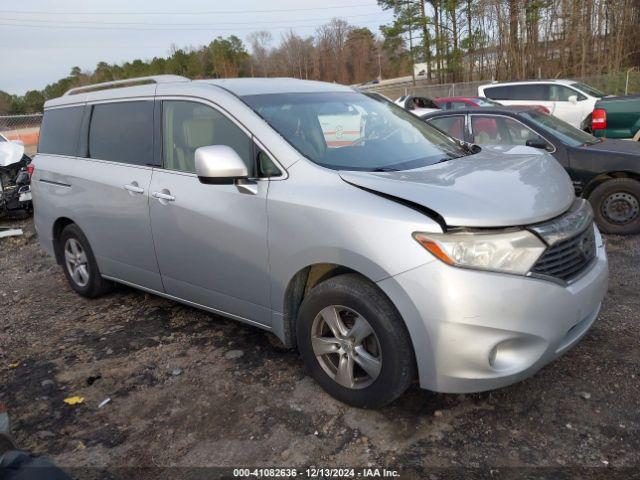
x=567, y=259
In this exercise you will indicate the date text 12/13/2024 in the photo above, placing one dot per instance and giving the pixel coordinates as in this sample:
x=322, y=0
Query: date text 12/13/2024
x=315, y=472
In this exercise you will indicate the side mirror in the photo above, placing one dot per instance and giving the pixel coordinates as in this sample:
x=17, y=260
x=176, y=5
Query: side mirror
x=573, y=98
x=536, y=143
x=471, y=147
x=219, y=164
x=18, y=142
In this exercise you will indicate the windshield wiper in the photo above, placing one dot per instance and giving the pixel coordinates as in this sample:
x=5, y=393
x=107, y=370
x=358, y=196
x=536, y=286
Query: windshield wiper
x=384, y=169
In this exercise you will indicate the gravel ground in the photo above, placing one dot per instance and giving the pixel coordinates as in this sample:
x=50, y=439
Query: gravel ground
x=189, y=388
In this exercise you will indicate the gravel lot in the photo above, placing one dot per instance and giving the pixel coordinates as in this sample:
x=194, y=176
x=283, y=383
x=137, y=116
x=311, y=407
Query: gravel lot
x=192, y=389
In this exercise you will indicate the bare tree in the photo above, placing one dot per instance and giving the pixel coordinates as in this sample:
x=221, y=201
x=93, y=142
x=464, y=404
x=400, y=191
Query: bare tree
x=260, y=43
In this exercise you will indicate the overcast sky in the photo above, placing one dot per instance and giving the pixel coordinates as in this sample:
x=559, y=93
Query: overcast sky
x=41, y=40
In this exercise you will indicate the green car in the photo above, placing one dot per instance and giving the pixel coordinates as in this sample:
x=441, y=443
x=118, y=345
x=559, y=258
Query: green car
x=617, y=117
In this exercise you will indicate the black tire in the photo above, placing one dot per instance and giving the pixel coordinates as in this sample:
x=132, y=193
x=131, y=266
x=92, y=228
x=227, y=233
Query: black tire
x=396, y=351
x=95, y=285
x=628, y=191
x=586, y=125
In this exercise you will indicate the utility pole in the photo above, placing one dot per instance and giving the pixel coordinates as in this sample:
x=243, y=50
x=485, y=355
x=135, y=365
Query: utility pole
x=413, y=60
x=379, y=67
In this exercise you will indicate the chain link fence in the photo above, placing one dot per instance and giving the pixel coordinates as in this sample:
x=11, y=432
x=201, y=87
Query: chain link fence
x=25, y=128
x=614, y=84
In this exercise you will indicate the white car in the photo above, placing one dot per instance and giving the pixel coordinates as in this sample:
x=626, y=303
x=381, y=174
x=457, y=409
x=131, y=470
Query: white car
x=417, y=105
x=568, y=100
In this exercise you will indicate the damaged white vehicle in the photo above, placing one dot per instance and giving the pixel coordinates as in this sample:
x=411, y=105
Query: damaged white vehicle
x=15, y=189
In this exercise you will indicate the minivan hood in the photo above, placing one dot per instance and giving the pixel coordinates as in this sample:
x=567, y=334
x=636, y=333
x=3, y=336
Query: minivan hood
x=493, y=188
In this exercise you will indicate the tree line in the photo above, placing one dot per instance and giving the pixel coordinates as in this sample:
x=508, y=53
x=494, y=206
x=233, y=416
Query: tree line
x=455, y=40
x=463, y=40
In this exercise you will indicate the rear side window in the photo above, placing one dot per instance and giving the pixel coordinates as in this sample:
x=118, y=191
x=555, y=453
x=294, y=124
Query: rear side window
x=498, y=93
x=535, y=91
x=122, y=132
x=532, y=92
x=60, y=131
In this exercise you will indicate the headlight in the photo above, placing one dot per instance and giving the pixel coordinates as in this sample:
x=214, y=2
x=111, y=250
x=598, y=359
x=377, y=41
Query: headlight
x=512, y=252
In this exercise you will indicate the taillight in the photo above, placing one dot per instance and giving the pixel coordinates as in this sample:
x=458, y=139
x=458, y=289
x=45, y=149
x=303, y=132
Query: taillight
x=599, y=119
x=30, y=168
x=544, y=109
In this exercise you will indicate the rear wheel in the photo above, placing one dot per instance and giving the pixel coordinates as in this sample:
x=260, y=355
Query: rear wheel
x=354, y=343
x=616, y=205
x=79, y=263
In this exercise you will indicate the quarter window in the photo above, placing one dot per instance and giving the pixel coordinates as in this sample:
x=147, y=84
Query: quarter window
x=60, y=131
x=122, y=132
x=187, y=126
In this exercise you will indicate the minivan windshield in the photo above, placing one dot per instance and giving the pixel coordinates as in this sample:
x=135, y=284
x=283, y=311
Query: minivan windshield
x=354, y=131
x=567, y=133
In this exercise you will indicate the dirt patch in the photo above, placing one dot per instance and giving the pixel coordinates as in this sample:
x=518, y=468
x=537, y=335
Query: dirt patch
x=179, y=398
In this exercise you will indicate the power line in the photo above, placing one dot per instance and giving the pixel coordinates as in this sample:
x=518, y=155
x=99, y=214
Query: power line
x=145, y=29
x=208, y=24
x=205, y=12
x=168, y=27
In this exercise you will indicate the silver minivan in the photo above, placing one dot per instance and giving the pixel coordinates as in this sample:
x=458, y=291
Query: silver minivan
x=380, y=248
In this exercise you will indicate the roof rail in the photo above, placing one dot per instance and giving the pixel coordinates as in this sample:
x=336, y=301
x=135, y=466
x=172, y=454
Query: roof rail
x=127, y=82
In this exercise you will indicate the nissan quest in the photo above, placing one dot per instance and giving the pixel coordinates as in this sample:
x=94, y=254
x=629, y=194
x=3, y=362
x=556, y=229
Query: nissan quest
x=382, y=249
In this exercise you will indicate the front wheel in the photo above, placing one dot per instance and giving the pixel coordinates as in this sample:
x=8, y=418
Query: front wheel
x=354, y=343
x=616, y=205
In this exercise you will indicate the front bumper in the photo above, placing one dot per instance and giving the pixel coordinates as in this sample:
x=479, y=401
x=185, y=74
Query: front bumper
x=474, y=331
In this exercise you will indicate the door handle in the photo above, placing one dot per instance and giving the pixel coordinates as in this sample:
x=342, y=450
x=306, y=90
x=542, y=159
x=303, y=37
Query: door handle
x=163, y=196
x=133, y=188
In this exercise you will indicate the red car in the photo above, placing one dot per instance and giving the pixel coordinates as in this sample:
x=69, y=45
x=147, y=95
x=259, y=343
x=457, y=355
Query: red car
x=456, y=103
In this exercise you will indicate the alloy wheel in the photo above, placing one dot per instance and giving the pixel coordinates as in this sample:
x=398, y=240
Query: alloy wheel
x=76, y=262
x=346, y=347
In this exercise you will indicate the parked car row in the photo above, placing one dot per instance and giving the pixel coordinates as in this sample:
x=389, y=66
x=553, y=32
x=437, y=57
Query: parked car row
x=394, y=254
x=578, y=104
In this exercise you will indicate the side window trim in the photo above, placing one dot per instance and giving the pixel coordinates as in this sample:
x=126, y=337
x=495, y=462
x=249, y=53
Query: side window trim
x=228, y=116
x=83, y=136
x=515, y=120
x=158, y=154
